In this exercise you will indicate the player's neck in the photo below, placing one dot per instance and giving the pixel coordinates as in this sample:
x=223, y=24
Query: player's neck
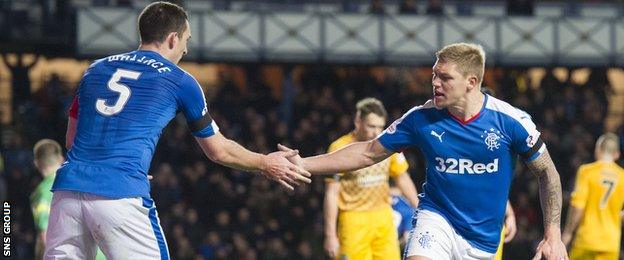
x=468, y=107
x=155, y=47
x=47, y=171
x=358, y=136
x=606, y=159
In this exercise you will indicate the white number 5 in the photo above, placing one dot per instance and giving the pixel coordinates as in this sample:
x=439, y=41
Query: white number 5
x=123, y=90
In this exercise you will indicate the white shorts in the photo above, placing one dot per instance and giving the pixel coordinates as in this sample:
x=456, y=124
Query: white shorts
x=123, y=228
x=434, y=238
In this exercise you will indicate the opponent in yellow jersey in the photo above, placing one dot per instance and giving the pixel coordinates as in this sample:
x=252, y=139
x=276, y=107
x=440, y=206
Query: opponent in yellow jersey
x=358, y=202
x=596, y=205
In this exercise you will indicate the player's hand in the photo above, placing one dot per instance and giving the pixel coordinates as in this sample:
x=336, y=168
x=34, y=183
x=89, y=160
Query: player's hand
x=279, y=169
x=332, y=246
x=552, y=249
x=510, y=227
x=150, y=177
x=296, y=159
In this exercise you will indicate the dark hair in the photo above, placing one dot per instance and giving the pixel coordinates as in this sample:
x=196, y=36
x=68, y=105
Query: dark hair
x=47, y=152
x=370, y=105
x=159, y=19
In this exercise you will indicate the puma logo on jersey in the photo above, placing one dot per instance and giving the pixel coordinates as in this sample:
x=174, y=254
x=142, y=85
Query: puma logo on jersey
x=462, y=166
x=439, y=136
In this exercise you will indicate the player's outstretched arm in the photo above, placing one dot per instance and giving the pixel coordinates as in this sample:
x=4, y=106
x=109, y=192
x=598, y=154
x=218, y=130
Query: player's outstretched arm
x=350, y=158
x=551, y=247
x=275, y=166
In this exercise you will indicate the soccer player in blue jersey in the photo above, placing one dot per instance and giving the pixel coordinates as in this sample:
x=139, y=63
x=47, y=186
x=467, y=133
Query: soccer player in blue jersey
x=469, y=140
x=101, y=193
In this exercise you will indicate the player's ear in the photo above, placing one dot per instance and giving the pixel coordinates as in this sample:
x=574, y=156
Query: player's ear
x=172, y=40
x=357, y=121
x=472, y=82
x=61, y=159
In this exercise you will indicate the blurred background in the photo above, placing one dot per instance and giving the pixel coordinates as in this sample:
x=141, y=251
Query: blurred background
x=290, y=71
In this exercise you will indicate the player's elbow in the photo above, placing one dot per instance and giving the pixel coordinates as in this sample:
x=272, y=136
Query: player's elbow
x=216, y=148
x=331, y=194
x=219, y=156
x=226, y=154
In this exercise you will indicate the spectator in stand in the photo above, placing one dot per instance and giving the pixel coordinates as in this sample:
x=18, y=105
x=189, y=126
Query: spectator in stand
x=520, y=7
x=435, y=7
x=377, y=7
x=408, y=7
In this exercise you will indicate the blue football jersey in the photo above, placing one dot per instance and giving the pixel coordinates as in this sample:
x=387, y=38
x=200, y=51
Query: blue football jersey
x=124, y=102
x=403, y=214
x=469, y=164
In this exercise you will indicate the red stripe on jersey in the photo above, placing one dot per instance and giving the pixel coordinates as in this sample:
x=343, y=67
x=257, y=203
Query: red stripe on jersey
x=462, y=121
x=73, y=109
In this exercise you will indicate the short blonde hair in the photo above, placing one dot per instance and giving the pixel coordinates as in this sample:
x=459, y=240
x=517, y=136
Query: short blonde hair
x=370, y=106
x=608, y=143
x=47, y=152
x=469, y=58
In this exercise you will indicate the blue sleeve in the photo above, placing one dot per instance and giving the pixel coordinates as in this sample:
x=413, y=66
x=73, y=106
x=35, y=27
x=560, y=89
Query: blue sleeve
x=405, y=211
x=525, y=138
x=400, y=134
x=193, y=105
x=406, y=223
x=408, y=215
x=402, y=228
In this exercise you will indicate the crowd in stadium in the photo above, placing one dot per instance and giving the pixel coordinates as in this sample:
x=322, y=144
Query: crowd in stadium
x=214, y=212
